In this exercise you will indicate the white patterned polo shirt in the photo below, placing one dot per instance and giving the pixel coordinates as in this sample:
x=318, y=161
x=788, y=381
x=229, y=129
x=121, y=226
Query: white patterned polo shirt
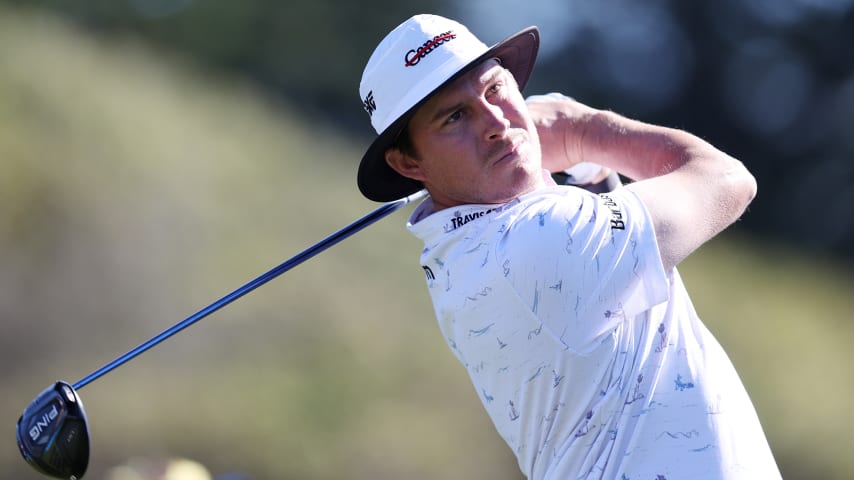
x=587, y=355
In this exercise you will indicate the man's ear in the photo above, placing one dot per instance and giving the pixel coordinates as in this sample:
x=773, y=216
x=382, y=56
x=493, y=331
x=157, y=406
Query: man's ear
x=404, y=164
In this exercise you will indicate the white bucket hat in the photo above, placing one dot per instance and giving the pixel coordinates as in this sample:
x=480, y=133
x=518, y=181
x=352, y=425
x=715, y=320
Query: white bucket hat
x=416, y=59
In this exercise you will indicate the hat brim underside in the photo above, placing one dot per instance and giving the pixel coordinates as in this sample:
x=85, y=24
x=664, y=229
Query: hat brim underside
x=379, y=182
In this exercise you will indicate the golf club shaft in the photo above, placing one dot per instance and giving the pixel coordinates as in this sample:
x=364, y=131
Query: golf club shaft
x=336, y=237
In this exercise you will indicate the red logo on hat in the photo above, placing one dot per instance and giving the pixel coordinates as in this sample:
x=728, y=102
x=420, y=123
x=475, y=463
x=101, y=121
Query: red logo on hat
x=414, y=56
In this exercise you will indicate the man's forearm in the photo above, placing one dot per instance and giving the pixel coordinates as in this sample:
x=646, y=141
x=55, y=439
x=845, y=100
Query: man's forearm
x=635, y=149
x=571, y=132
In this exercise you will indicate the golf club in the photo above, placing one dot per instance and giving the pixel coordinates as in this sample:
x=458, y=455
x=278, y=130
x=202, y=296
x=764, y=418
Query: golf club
x=53, y=432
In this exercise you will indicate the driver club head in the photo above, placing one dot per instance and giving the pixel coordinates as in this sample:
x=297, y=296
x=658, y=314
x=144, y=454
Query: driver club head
x=53, y=433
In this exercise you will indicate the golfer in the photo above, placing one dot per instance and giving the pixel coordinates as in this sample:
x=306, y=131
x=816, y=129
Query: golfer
x=564, y=305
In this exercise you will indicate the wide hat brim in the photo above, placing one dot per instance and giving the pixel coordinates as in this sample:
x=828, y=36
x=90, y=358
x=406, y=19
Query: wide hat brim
x=379, y=182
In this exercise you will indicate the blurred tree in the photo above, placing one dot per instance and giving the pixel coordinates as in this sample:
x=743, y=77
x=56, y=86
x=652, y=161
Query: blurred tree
x=768, y=82
x=310, y=52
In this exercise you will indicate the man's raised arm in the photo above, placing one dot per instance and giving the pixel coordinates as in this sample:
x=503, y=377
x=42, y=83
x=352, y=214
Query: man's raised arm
x=691, y=189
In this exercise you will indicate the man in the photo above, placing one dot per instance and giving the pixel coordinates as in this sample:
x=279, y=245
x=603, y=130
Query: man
x=564, y=306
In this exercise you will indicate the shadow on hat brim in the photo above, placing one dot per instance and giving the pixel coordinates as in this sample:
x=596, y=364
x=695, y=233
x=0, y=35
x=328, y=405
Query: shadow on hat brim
x=379, y=182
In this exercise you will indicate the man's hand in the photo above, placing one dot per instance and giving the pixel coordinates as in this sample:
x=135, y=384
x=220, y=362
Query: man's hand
x=560, y=123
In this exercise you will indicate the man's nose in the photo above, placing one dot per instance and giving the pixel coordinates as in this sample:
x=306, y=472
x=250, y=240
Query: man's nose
x=495, y=123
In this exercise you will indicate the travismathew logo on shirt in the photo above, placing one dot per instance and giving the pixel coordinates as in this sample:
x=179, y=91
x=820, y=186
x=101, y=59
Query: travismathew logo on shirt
x=458, y=219
x=415, y=55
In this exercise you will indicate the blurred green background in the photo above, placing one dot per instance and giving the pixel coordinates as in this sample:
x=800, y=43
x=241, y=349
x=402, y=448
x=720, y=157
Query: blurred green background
x=142, y=179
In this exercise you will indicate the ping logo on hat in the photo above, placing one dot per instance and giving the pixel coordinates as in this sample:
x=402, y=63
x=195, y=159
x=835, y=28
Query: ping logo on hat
x=415, y=56
x=369, y=103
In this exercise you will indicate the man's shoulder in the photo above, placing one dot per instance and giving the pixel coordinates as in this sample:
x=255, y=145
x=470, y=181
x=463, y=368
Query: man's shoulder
x=562, y=216
x=542, y=209
x=551, y=203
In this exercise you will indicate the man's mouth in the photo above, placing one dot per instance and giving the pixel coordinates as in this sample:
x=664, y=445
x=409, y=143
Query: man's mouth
x=507, y=149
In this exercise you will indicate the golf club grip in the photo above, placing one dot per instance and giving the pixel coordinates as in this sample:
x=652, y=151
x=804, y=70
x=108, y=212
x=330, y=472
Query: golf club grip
x=311, y=251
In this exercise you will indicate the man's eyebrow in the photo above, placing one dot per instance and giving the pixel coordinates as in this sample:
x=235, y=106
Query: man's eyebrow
x=443, y=112
x=495, y=74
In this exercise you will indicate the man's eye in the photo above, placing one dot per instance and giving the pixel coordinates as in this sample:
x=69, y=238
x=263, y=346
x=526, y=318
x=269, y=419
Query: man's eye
x=455, y=116
x=495, y=88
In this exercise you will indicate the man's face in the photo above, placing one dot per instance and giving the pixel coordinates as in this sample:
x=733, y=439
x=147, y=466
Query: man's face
x=474, y=141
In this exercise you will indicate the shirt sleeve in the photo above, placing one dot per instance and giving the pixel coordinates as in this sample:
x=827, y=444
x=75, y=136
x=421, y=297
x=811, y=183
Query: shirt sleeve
x=584, y=263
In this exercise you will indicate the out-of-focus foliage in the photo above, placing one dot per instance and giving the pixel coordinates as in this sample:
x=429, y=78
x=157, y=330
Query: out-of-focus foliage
x=770, y=82
x=135, y=190
x=310, y=51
